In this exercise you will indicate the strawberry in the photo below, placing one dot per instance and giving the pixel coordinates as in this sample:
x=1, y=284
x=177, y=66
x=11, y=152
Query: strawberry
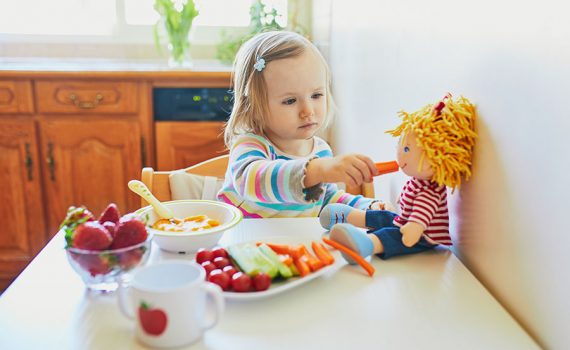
x=131, y=258
x=94, y=264
x=130, y=231
x=111, y=213
x=75, y=216
x=91, y=235
x=111, y=227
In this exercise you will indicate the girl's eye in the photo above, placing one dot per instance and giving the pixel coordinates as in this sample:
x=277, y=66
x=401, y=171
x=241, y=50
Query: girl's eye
x=406, y=149
x=318, y=95
x=289, y=101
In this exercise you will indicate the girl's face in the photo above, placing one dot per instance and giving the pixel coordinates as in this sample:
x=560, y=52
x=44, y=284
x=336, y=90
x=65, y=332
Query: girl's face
x=296, y=91
x=409, y=155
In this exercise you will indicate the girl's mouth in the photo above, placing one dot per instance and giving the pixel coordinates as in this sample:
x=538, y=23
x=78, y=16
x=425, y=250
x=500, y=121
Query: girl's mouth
x=403, y=166
x=308, y=125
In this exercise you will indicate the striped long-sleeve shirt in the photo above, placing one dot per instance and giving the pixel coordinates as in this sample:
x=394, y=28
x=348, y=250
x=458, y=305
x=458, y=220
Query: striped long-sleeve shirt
x=425, y=202
x=264, y=182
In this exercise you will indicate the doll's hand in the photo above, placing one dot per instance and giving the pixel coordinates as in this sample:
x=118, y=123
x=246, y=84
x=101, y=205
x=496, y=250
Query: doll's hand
x=352, y=169
x=380, y=205
x=411, y=233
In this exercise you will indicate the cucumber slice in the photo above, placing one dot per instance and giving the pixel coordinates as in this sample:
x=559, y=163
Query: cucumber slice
x=284, y=270
x=262, y=262
x=243, y=259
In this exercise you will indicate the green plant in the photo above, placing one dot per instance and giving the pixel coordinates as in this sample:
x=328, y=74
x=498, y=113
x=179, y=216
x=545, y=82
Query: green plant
x=261, y=19
x=176, y=18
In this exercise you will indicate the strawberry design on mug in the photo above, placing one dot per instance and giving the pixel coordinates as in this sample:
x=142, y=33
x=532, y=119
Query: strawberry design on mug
x=153, y=321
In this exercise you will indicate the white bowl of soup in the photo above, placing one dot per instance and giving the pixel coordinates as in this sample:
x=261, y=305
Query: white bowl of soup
x=196, y=224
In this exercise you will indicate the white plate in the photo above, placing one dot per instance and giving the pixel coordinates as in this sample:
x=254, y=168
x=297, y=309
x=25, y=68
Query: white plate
x=293, y=282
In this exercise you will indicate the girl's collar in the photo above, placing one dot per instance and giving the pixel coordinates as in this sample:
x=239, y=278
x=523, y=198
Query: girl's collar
x=293, y=156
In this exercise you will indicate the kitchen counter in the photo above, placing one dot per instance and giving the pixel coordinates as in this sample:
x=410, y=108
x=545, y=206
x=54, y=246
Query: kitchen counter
x=105, y=68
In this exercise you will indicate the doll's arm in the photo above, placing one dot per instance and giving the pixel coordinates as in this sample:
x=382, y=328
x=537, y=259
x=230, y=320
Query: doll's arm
x=424, y=207
x=411, y=233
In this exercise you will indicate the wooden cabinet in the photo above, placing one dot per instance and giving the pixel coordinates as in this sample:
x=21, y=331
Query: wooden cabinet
x=23, y=231
x=89, y=164
x=16, y=97
x=182, y=144
x=89, y=97
x=77, y=138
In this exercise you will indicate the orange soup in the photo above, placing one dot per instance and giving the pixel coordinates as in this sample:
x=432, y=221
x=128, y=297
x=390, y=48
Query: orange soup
x=189, y=224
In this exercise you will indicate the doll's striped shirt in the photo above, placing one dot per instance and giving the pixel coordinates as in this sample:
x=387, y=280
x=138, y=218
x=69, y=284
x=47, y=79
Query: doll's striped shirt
x=425, y=202
x=264, y=182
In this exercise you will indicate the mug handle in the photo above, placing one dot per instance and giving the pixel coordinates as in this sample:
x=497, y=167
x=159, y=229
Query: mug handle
x=123, y=299
x=216, y=293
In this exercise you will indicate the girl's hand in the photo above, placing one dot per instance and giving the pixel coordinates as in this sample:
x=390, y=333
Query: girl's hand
x=352, y=169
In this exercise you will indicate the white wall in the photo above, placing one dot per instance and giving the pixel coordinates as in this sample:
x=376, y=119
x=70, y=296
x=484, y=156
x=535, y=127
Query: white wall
x=511, y=58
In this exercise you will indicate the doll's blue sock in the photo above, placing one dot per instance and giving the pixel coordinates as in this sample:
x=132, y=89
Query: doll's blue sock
x=332, y=214
x=353, y=238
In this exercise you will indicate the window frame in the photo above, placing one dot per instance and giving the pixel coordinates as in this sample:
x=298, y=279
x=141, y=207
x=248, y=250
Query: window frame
x=140, y=43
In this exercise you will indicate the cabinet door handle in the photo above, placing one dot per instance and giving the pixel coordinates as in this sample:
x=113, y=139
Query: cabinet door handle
x=50, y=161
x=143, y=152
x=29, y=162
x=86, y=104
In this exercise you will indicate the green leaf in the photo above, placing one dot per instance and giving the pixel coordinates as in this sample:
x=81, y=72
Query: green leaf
x=176, y=22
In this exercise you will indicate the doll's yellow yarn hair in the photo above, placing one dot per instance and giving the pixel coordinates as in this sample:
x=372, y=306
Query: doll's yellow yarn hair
x=447, y=136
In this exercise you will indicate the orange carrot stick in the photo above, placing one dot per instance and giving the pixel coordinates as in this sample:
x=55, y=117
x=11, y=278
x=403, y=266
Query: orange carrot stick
x=322, y=253
x=387, y=167
x=365, y=264
x=302, y=267
x=297, y=252
x=314, y=263
x=286, y=259
x=280, y=248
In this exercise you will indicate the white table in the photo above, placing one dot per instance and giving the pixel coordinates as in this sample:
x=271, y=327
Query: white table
x=424, y=301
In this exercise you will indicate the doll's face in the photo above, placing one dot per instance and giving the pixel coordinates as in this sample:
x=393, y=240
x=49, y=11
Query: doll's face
x=409, y=155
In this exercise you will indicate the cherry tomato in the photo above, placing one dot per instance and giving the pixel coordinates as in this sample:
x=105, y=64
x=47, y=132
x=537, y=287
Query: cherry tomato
x=241, y=282
x=261, y=281
x=221, y=262
x=209, y=267
x=230, y=270
x=204, y=255
x=220, y=278
x=219, y=251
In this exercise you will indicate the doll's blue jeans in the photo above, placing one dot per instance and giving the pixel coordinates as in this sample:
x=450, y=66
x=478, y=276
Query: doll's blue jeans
x=380, y=223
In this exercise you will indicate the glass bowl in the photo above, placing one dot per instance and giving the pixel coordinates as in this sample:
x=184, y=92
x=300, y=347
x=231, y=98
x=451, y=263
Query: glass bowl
x=100, y=269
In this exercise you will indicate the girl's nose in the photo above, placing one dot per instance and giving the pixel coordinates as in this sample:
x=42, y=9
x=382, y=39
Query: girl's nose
x=306, y=110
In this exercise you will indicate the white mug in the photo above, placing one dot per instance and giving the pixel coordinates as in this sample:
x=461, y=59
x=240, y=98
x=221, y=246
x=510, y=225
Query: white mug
x=169, y=301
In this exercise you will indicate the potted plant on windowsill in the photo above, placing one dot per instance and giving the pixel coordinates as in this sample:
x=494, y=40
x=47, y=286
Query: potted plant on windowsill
x=262, y=18
x=176, y=19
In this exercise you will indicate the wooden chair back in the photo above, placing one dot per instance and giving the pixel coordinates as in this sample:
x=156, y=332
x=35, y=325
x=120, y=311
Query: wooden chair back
x=158, y=182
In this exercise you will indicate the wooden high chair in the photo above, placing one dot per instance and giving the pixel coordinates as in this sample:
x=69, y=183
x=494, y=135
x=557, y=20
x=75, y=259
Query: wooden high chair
x=158, y=182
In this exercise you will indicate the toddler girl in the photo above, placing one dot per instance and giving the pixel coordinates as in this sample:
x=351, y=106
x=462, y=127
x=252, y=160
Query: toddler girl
x=277, y=166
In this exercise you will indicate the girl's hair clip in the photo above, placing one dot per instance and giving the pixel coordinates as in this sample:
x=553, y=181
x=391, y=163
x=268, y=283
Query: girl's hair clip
x=259, y=64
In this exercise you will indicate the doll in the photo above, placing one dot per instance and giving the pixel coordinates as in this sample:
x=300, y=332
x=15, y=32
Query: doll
x=435, y=148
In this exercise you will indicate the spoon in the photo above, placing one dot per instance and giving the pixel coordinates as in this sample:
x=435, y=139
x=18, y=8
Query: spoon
x=140, y=188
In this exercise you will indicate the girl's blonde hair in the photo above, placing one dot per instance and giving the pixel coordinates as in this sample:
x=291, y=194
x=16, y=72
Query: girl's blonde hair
x=446, y=132
x=250, y=108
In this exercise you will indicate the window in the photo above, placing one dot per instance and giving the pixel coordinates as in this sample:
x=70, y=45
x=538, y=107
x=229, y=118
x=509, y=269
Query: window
x=27, y=25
